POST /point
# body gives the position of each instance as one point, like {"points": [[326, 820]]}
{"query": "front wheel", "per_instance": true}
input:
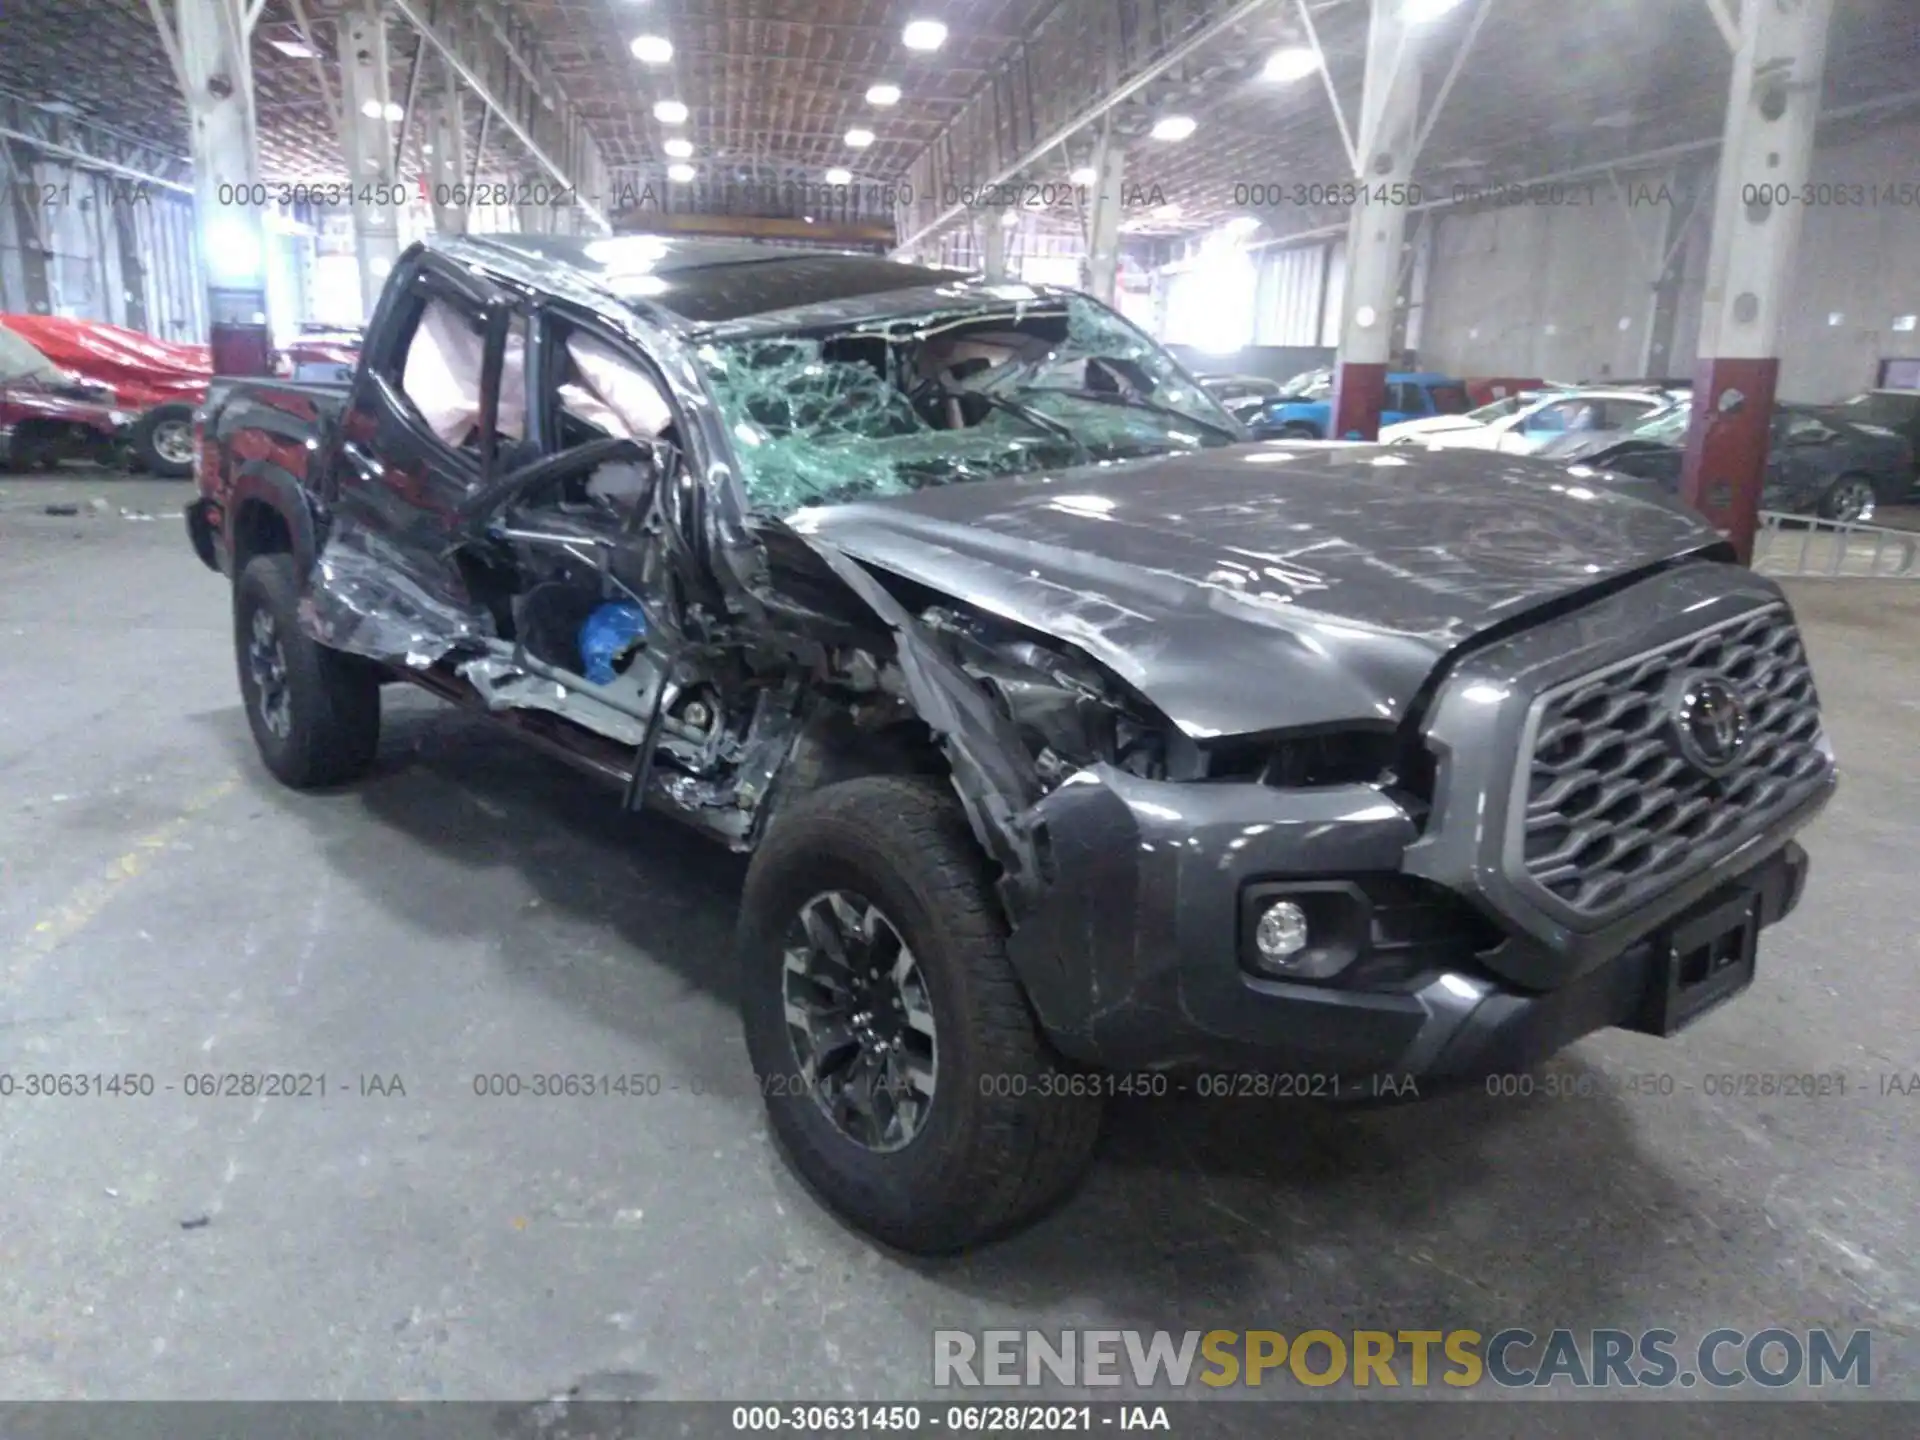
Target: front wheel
{"points": [[162, 441], [1298, 430], [901, 1066], [315, 713], [1851, 500]]}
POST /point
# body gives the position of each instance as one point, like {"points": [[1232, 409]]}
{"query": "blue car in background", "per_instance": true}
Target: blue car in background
{"points": [[1304, 410]]}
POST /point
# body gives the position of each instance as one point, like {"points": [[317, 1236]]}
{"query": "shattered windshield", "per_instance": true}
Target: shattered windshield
{"points": [[851, 412]]}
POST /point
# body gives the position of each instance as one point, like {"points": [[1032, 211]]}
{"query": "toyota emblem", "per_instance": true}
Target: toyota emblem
{"points": [[1709, 723]]}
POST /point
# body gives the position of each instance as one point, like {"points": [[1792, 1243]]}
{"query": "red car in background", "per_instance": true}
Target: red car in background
{"points": [[48, 414], [152, 387], [155, 383]]}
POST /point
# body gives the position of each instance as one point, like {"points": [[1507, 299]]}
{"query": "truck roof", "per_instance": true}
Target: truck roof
{"points": [[703, 281]]}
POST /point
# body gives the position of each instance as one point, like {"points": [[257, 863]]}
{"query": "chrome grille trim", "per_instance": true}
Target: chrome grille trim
{"points": [[1607, 814]]}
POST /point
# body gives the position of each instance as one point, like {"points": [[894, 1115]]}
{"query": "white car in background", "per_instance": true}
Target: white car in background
{"points": [[1408, 431], [1548, 417]]}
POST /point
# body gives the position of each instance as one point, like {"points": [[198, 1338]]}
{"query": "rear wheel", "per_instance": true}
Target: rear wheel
{"points": [[902, 1069], [1298, 430], [1850, 500], [315, 713], [162, 441]]}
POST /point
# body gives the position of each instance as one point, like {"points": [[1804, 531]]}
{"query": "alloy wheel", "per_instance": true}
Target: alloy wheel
{"points": [[267, 665], [173, 442], [1852, 502], [860, 1020]]}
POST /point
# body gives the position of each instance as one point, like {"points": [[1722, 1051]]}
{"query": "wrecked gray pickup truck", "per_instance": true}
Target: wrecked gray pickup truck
{"points": [[1083, 747]]}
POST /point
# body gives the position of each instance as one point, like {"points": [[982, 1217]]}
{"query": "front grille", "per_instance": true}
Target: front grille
{"points": [[1614, 814]]}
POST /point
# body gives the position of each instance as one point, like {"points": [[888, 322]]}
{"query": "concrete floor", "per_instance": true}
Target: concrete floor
{"points": [[166, 909]]}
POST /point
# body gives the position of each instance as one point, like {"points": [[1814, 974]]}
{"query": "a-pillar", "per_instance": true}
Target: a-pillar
{"points": [[216, 78], [1103, 228], [1766, 151], [1377, 223], [367, 120]]}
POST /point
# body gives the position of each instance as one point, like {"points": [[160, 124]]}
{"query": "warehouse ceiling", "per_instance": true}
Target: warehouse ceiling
{"points": [[772, 88]]}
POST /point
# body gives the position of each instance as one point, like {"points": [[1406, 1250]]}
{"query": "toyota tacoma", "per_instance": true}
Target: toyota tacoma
{"points": [[1075, 736]]}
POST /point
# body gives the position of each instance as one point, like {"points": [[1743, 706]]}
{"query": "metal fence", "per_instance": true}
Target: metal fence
{"points": [[1795, 545]]}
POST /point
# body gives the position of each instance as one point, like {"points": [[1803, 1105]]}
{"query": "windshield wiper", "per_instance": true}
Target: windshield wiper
{"points": [[1141, 402]]}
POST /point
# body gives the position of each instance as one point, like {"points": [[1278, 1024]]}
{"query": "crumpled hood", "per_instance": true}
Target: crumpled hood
{"points": [[1262, 587]]}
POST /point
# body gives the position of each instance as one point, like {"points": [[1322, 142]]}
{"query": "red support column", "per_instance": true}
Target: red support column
{"points": [[1726, 463], [1359, 395], [1767, 150], [1376, 225]]}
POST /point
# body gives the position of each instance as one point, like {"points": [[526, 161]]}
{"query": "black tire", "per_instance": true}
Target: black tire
{"points": [[317, 719], [31, 453], [1851, 499], [999, 1144], [1299, 430], [153, 441]]}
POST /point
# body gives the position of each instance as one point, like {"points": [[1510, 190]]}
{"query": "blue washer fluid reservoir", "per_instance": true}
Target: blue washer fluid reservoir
{"points": [[608, 633]]}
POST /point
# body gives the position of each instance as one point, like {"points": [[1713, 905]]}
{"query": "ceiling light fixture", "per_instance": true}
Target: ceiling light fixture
{"points": [[680, 174], [1296, 62], [669, 112], [370, 109], [838, 176], [1174, 127], [924, 35], [859, 139], [883, 95], [652, 49], [679, 149], [1085, 175], [395, 113], [298, 49]]}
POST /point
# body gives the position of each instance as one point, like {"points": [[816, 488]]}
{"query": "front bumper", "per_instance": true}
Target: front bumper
{"points": [[1132, 945], [1131, 956]]}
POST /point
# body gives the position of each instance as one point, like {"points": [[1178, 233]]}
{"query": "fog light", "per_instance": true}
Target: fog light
{"points": [[1281, 933]]}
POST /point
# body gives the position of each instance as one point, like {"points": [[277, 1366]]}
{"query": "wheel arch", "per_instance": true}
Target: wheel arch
{"points": [[267, 513]]}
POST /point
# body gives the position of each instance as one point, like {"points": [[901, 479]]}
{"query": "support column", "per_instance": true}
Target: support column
{"points": [[1684, 185], [1771, 106], [446, 142], [366, 140], [534, 219], [216, 79], [133, 267], [1103, 224], [29, 226], [1376, 229], [993, 245]]}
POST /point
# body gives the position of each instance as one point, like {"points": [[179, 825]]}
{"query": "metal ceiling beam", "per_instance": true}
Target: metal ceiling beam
{"points": [[756, 227], [92, 146], [1326, 83], [1058, 47], [1638, 160], [1724, 21], [494, 60]]}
